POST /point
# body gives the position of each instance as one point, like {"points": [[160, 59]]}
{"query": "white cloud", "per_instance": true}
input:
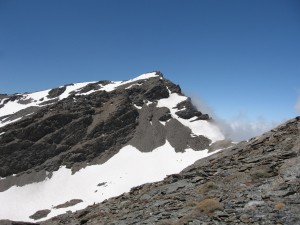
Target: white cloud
{"points": [[297, 106], [240, 127]]}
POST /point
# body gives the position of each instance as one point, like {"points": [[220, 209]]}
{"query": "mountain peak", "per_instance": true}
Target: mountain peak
{"points": [[120, 133]]}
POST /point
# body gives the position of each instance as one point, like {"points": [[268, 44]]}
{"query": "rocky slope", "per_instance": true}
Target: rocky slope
{"points": [[255, 182], [90, 141]]}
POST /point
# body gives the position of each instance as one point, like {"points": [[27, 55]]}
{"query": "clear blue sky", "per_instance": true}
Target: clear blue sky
{"points": [[239, 56]]}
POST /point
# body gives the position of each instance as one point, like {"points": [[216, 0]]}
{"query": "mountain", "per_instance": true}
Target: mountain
{"points": [[64, 149], [253, 182]]}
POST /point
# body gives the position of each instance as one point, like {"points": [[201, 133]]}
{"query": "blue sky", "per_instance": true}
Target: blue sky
{"points": [[242, 57]]}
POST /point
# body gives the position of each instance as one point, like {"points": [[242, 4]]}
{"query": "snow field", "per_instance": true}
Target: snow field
{"points": [[127, 169]]}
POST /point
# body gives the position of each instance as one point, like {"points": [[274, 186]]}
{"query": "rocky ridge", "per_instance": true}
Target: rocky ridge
{"points": [[254, 182]]}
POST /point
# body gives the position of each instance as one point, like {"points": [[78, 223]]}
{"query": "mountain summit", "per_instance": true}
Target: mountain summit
{"points": [[79, 144]]}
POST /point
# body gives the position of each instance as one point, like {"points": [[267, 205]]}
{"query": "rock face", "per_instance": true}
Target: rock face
{"points": [[86, 128], [254, 182], [77, 126], [190, 111], [66, 130]]}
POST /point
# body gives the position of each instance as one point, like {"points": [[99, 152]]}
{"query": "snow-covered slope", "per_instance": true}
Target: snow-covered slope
{"points": [[93, 184], [91, 141]]}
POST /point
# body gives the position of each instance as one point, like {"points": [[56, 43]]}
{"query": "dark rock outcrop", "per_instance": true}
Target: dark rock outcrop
{"points": [[188, 111], [151, 133], [68, 204], [40, 214], [157, 92], [56, 92], [13, 98], [2, 96], [90, 87]]}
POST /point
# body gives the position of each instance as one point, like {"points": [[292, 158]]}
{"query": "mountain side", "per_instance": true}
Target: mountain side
{"points": [[254, 182], [82, 127], [95, 140]]}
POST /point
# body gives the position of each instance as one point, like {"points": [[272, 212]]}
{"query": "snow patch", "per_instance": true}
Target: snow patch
{"points": [[138, 107], [2, 101], [145, 76], [29, 114], [8, 122], [198, 127], [88, 93], [12, 107], [112, 86], [149, 103], [133, 86], [127, 169], [35, 96], [73, 87], [163, 123]]}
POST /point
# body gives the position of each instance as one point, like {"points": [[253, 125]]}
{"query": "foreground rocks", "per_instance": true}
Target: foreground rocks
{"points": [[255, 182]]}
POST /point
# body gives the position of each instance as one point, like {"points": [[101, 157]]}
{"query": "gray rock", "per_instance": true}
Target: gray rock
{"points": [[253, 204], [40, 214], [56, 92], [68, 204]]}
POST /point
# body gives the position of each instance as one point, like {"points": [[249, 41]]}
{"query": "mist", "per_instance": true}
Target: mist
{"points": [[239, 127], [297, 105]]}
